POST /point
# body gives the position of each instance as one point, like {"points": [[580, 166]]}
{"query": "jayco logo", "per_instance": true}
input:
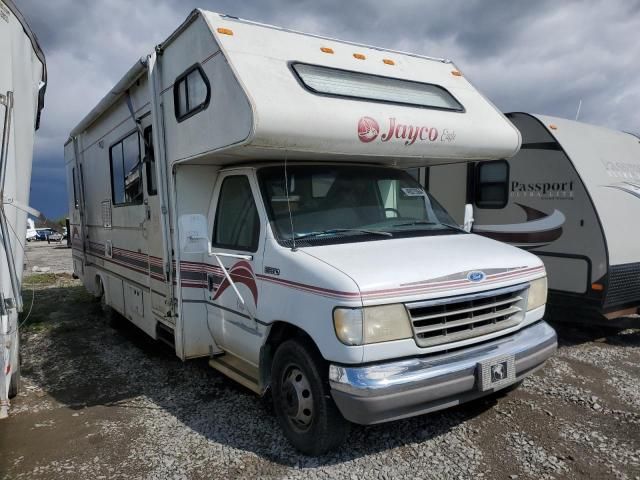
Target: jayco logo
{"points": [[369, 130]]}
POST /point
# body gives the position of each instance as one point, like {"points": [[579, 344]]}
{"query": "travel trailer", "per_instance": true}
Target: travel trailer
{"points": [[571, 195], [240, 195], [23, 78]]}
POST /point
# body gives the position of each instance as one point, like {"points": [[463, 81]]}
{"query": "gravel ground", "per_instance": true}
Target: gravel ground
{"points": [[42, 257], [104, 401]]}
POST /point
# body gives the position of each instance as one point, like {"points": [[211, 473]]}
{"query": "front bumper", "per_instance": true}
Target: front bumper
{"points": [[404, 388]]}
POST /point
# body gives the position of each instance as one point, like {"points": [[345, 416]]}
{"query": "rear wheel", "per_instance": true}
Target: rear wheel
{"points": [[107, 312], [302, 401]]}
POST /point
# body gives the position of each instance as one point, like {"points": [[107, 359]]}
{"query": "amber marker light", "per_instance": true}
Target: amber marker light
{"points": [[388, 61], [598, 287], [554, 127], [326, 49], [225, 31], [456, 73], [359, 56]]}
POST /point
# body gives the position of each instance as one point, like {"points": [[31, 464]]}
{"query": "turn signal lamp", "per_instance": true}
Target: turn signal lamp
{"points": [[326, 49], [598, 287], [456, 73], [359, 56], [225, 31], [388, 61]]}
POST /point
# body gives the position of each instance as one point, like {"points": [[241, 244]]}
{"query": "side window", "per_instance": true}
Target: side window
{"points": [[237, 224], [150, 162], [492, 184], [126, 171], [75, 187], [191, 93]]}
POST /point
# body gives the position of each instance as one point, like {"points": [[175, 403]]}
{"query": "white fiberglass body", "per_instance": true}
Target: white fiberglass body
{"points": [[22, 82]]}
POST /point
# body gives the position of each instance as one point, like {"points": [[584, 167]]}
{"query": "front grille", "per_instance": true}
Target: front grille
{"points": [[446, 320]]}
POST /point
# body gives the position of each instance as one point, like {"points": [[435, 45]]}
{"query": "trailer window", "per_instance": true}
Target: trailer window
{"points": [[150, 161], [126, 171], [237, 225], [492, 184], [191, 93], [345, 83]]}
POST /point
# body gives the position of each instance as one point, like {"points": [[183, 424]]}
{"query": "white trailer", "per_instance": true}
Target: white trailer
{"points": [[571, 195], [239, 194], [23, 79]]}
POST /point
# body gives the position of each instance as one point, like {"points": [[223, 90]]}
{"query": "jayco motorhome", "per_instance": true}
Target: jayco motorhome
{"points": [[571, 195], [239, 194], [23, 79]]}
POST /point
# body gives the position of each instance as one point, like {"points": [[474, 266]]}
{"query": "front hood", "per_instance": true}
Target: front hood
{"points": [[428, 267]]}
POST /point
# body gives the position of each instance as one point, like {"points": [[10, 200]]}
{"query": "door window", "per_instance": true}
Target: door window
{"points": [[150, 161], [237, 224]]}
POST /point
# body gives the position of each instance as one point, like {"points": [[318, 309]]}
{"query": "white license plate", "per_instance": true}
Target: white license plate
{"points": [[497, 372]]}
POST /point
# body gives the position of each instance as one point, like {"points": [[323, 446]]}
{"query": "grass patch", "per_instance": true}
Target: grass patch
{"points": [[39, 279]]}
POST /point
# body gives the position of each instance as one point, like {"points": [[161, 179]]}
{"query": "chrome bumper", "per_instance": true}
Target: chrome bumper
{"points": [[389, 391]]}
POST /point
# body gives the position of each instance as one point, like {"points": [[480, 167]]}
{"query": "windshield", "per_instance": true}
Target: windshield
{"points": [[334, 204]]}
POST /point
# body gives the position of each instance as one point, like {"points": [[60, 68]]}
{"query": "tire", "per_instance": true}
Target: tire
{"points": [[302, 400], [110, 316], [16, 379]]}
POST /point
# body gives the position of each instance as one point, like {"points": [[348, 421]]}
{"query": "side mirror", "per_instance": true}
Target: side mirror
{"points": [[468, 217], [194, 236]]}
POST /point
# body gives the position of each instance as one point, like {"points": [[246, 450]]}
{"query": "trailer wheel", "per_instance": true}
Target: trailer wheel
{"points": [[302, 401], [16, 379]]}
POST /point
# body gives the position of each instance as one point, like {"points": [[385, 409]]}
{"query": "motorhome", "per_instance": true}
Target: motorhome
{"points": [[23, 78], [240, 195], [571, 195]]}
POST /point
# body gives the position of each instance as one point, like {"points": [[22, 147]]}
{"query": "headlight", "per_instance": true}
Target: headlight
{"points": [[348, 325], [360, 326], [537, 293]]}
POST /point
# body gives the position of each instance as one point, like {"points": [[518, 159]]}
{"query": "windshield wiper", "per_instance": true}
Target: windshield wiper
{"points": [[424, 222], [334, 231]]}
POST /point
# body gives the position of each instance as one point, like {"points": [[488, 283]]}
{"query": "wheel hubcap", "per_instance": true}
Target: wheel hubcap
{"points": [[297, 398]]}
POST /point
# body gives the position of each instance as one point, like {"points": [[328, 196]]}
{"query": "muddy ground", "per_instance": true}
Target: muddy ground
{"points": [[102, 400]]}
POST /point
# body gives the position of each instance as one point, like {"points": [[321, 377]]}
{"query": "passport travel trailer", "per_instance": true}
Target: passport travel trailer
{"points": [[571, 195], [239, 194], [23, 78]]}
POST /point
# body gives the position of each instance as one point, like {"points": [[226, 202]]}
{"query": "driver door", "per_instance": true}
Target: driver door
{"points": [[232, 306]]}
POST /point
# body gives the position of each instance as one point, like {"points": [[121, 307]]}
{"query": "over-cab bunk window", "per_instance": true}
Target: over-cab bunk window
{"points": [[126, 171], [364, 86], [191, 93]]}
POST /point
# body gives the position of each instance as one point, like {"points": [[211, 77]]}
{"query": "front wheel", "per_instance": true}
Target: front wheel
{"points": [[302, 401]]}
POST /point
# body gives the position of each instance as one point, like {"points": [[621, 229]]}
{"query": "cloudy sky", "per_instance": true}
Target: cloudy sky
{"points": [[538, 56]]}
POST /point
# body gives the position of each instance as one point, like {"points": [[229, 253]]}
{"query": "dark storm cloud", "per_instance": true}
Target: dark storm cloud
{"points": [[543, 56]]}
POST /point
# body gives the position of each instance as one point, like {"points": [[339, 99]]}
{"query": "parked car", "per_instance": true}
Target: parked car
{"points": [[48, 234]]}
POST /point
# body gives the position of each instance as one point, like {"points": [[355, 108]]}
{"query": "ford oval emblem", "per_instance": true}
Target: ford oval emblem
{"points": [[476, 276]]}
